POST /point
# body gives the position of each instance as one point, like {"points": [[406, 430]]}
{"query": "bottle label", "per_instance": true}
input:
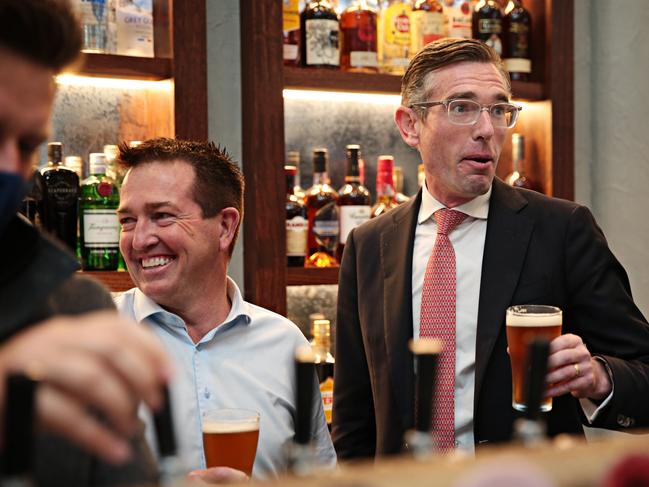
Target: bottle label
{"points": [[426, 28], [290, 15], [518, 65], [135, 28], [396, 24], [296, 236], [360, 59], [322, 45], [489, 26], [350, 217], [100, 228], [290, 52], [323, 228], [327, 393], [458, 19]]}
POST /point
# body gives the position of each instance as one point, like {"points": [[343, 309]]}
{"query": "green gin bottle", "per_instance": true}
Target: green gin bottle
{"points": [[99, 226]]}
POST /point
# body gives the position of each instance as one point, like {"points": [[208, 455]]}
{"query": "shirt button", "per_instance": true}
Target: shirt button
{"points": [[206, 393], [457, 444]]}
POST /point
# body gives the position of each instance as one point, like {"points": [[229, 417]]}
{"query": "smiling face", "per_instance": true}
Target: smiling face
{"points": [[170, 249], [460, 160]]}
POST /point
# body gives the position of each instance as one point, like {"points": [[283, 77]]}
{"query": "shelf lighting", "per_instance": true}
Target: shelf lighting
{"points": [[117, 83], [337, 96]]}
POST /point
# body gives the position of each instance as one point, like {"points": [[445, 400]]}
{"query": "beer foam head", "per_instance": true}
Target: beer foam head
{"points": [[534, 316], [230, 427]]}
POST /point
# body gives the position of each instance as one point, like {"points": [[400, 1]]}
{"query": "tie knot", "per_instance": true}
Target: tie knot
{"points": [[448, 219]]}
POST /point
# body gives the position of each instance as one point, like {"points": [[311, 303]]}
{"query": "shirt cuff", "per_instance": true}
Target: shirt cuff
{"points": [[592, 409]]}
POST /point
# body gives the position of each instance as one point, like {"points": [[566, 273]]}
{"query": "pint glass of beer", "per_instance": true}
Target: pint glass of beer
{"points": [[230, 438], [526, 323]]}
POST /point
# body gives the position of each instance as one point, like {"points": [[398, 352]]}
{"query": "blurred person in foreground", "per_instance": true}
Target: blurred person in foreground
{"points": [[509, 246], [180, 211], [94, 367]]}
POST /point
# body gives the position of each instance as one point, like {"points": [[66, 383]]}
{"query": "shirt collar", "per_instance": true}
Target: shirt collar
{"points": [[477, 208], [146, 308]]}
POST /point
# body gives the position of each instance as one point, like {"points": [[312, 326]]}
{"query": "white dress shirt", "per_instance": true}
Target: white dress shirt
{"points": [[245, 362]]}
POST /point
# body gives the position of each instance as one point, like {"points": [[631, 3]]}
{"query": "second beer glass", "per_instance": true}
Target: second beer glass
{"points": [[526, 323], [230, 438]]}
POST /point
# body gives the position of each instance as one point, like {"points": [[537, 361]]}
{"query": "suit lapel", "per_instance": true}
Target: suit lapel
{"points": [[397, 242], [508, 235]]}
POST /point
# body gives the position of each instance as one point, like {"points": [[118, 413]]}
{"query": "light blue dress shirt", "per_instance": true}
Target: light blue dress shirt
{"points": [[245, 362]]}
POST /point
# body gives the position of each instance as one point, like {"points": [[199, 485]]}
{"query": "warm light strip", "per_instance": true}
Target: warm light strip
{"points": [[365, 98], [118, 83]]}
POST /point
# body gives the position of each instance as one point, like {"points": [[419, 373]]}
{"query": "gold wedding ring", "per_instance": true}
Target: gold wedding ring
{"points": [[577, 370]]}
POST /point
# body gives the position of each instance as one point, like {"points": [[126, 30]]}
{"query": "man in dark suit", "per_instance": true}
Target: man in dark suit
{"points": [[512, 246]]}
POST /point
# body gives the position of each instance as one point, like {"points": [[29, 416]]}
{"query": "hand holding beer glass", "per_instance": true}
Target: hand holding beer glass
{"points": [[230, 438], [526, 323]]}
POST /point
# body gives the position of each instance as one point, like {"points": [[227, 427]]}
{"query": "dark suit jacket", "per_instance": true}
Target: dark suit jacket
{"points": [[538, 250], [38, 281]]}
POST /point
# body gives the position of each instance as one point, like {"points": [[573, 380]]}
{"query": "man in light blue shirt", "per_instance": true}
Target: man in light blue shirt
{"points": [[180, 210]]}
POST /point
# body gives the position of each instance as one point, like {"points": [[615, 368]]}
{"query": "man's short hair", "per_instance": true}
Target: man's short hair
{"points": [[46, 32], [218, 181], [417, 85]]}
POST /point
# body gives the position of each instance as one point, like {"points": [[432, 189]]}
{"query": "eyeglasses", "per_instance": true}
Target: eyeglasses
{"points": [[467, 112]]}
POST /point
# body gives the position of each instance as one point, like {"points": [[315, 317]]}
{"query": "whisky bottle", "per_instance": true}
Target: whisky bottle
{"points": [[99, 224], [297, 225], [488, 24], [319, 35], [427, 22], [61, 192], [384, 187], [517, 27], [354, 203], [457, 18], [291, 32], [359, 35], [397, 177], [517, 177], [322, 213], [394, 37], [325, 362], [293, 159]]}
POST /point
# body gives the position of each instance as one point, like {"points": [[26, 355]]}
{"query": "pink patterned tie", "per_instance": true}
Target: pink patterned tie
{"points": [[438, 321]]}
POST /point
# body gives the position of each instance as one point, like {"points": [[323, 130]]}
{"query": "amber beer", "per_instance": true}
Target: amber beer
{"points": [[526, 323], [230, 438]]}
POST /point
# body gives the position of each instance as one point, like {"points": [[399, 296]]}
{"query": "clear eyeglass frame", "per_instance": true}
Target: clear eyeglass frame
{"points": [[461, 111]]}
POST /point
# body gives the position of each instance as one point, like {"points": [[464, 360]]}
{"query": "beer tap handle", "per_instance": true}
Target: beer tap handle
{"points": [[537, 368], [19, 430], [426, 352]]}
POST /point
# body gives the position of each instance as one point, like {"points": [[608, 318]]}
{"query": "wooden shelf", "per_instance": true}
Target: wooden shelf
{"points": [[335, 80], [115, 281], [129, 67], [307, 276]]}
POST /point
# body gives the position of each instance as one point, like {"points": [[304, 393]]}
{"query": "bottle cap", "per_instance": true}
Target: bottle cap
{"points": [[111, 152], [384, 167], [293, 158], [290, 170], [320, 157], [134, 143], [55, 152], [97, 163]]}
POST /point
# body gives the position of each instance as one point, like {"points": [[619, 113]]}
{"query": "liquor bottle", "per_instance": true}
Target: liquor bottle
{"points": [[322, 213], [457, 18], [394, 36], [319, 35], [33, 200], [99, 224], [74, 163], [291, 32], [359, 35], [297, 225], [293, 159], [397, 177], [113, 168], [517, 27], [427, 23], [384, 186], [488, 24], [354, 203], [325, 362], [59, 204], [94, 24], [517, 177]]}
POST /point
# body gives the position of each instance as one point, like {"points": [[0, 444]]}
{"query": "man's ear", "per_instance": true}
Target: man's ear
{"points": [[408, 123], [229, 222]]}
